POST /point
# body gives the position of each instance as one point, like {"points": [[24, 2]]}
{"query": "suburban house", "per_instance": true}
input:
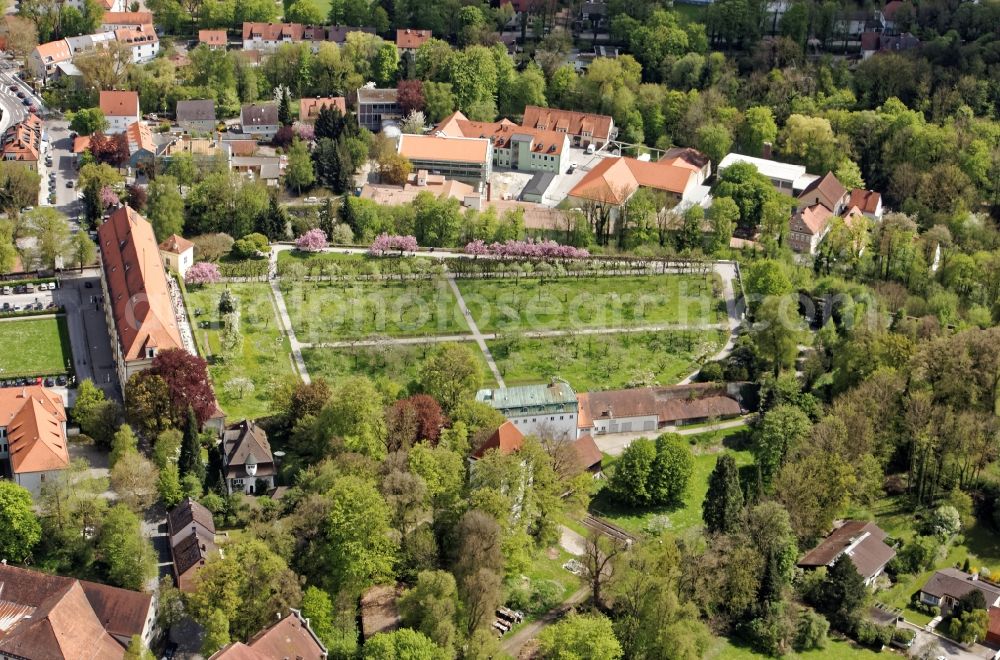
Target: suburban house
{"points": [[45, 58], [196, 116], [214, 39], [827, 191], [141, 40], [55, 617], [507, 439], [868, 202], [177, 253], [546, 410], [291, 637], [946, 587], [116, 20], [121, 109], [260, 168], [247, 461], [141, 317], [787, 178], [32, 437], [309, 108], [873, 43], [690, 158], [808, 227], [613, 181], [862, 541], [652, 408], [260, 120], [465, 159], [584, 129], [85, 43], [408, 41], [376, 107], [268, 36], [191, 532], [379, 610], [22, 142], [141, 147], [514, 147]]}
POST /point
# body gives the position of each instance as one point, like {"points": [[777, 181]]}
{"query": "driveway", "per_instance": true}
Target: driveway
{"points": [[943, 647], [88, 329], [615, 443]]}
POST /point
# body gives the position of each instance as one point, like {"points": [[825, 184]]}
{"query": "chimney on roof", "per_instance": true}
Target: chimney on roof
{"points": [[767, 150]]}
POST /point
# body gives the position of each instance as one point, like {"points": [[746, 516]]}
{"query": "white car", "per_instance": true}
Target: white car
{"points": [[312, 200]]}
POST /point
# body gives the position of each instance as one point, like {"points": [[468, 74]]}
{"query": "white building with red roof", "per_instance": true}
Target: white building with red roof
{"points": [[32, 435], [120, 108]]}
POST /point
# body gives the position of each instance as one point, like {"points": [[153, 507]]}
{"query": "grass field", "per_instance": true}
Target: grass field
{"points": [[706, 448], [399, 364], [331, 311], [725, 649], [266, 356], [34, 347], [595, 362], [594, 302]]}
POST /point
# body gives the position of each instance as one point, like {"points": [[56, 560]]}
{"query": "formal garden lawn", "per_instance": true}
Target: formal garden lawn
{"points": [[591, 302], [605, 361], [266, 355], [337, 311], [400, 364], [706, 448], [34, 347]]}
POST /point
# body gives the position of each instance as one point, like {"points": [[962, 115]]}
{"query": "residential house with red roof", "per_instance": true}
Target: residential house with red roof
{"points": [[214, 39], [408, 40], [115, 20], [177, 253], [514, 147], [613, 181], [584, 128], [53, 617], [868, 202], [289, 638], [309, 108], [44, 59], [140, 313], [32, 436], [22, 143], [121, 109], [808, 227], [141, 40], [141, 147], [507, 439], [267, 37]]}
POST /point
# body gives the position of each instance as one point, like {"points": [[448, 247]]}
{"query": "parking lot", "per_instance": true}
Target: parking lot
{"points": [[80, 294]]}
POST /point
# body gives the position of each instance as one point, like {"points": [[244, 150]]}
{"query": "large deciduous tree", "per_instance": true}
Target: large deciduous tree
{"points": [[124, 550], [20, 530], [187, 379], [451, 375]]}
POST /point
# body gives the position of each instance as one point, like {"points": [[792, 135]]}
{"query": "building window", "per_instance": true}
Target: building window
{"points": [[237, 483]]}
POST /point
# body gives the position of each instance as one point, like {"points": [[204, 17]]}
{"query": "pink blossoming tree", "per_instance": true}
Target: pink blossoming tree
{"points": [[109, 197], [386, 243], [203, 272], [313, 240], [528, 249]]}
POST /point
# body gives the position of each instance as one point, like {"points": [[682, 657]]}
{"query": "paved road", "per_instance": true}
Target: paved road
{"points": [[64, 166], [615, 443]]}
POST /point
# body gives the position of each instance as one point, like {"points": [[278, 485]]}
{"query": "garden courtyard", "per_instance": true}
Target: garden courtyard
{"points": [[34, 346]]}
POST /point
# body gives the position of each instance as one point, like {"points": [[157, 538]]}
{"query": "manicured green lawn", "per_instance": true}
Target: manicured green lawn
{"points": [[656, 519], [34, 347], [333, 311], [590, 302], [724, 649], [598, 362], [398, 364], [266, 355]]}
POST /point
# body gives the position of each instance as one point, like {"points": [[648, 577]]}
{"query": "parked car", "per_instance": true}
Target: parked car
{"points": [[25, 102], [50, 381], [61, 380], [7, 291], [6, 307], [43, 286], [13, 88], [70, 184]]}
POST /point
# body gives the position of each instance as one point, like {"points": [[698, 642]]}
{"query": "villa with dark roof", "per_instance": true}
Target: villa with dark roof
{"points": [[191, 532], [247, 461], [863, 542]]}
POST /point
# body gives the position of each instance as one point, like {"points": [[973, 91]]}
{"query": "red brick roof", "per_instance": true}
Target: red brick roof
{"points": [[309, 108], [137, 285], [212, 37], [119, 104], [289, 638], [501, 132], [866, 200], [175, 244], [508, 439], [568, 121], [34, 418], [828, 190], [23, 140], [864, 543], [587, 452], [812, 219], [407, 39], [613, 180]]}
